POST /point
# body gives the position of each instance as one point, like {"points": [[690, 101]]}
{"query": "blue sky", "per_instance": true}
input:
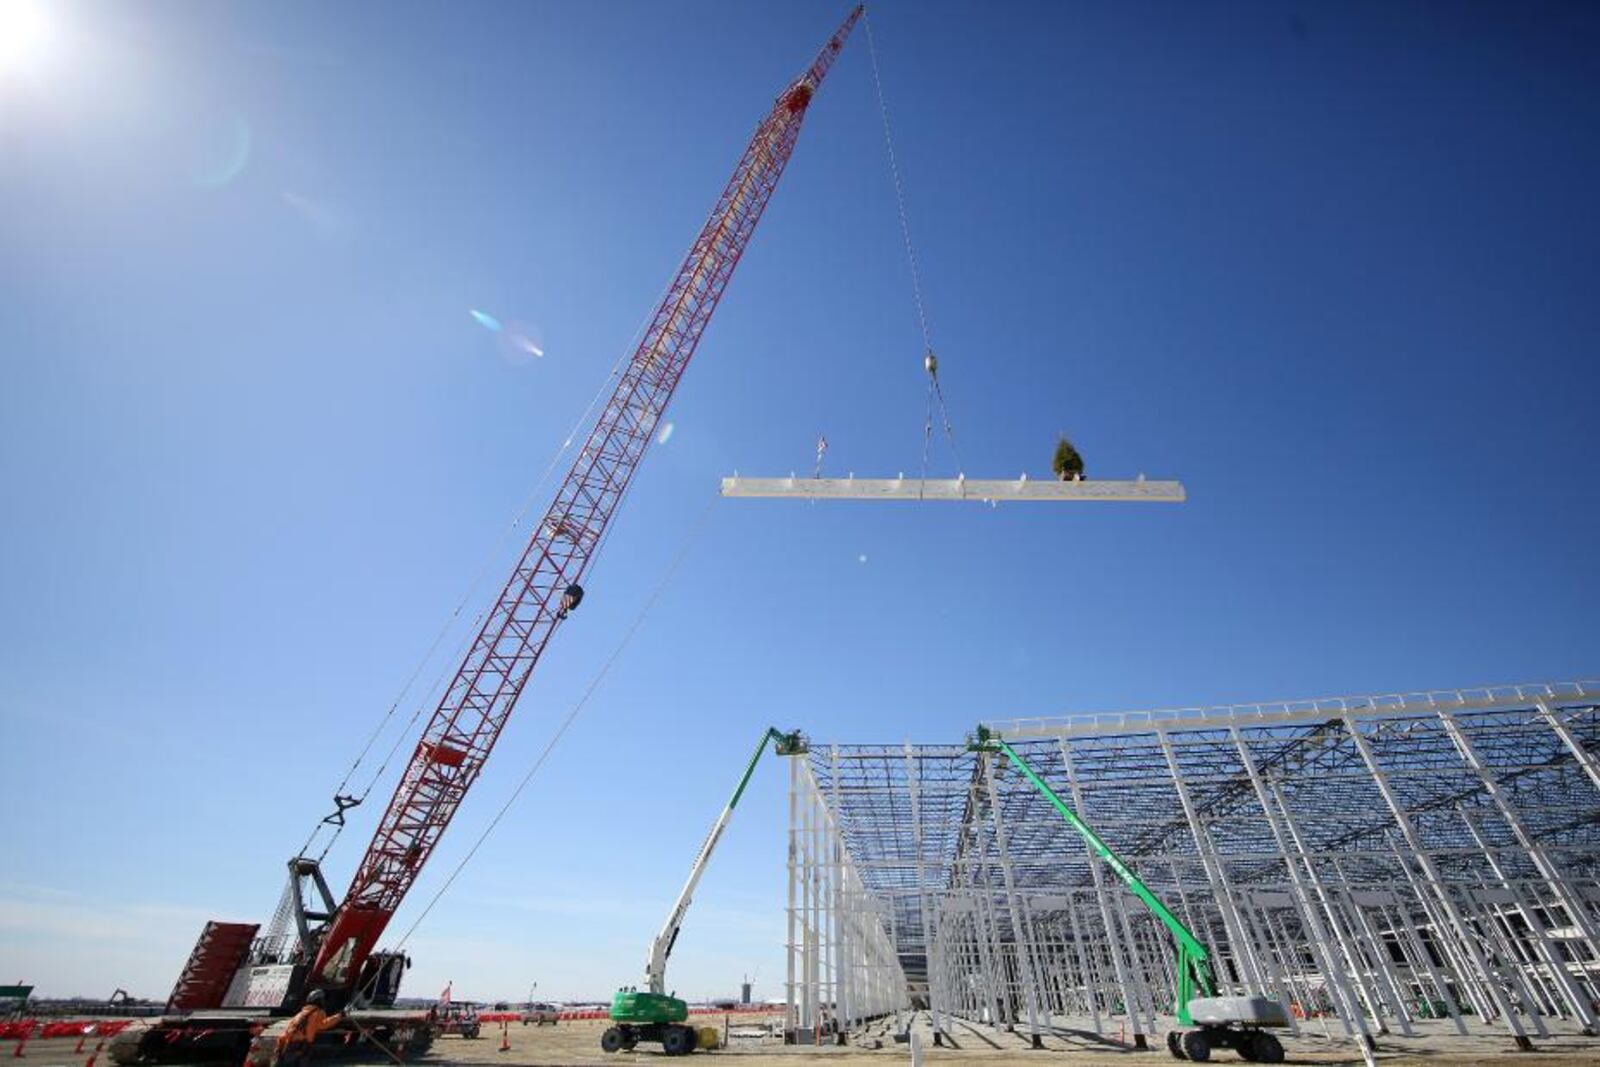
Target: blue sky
{"points": [[1332, 265]]}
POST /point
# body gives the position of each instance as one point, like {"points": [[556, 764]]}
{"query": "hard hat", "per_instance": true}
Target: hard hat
{"points": [[315, 997]]}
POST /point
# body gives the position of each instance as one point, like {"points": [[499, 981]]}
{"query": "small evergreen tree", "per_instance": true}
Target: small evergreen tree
{"points": [[1067, 463]]}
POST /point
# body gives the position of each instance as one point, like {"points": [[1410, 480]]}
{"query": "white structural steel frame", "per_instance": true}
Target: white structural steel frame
{"points": [[1371, 861]]}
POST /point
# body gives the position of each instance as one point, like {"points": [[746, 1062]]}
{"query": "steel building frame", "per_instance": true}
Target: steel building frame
{"points": [[1375, 862]]}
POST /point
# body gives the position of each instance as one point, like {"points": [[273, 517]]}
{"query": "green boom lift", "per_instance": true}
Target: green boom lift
{"points": [[652, 1014], [1224, 1022]]}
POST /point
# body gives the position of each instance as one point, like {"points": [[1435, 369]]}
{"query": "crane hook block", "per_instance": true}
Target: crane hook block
{"points": [[930, 363], [570, 599]]}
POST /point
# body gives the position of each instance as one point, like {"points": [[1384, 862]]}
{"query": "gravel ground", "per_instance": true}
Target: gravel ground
{"points": [[577, 1044]]}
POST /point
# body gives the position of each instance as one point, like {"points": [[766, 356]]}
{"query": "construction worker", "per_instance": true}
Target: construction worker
{"points": [[294, 1047]]}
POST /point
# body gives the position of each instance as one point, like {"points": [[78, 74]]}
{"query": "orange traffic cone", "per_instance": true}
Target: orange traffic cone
{"points": [[505, 1037]]}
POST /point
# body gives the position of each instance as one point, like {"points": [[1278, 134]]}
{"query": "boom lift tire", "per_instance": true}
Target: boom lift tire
{"points": [[1252, 1044], [1262, 1047], [1197, 1046], [679, 1041], [611, 1040]]}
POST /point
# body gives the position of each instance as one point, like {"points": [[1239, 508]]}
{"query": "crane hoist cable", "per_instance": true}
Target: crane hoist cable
{"points": [[930, 360], [343, 801], [464, 727], [691, 538]]}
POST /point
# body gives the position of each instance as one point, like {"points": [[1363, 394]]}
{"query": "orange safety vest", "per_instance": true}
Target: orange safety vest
{"points": [[306, 1025]]}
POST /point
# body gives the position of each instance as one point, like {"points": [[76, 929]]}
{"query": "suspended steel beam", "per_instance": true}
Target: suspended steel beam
{"points": [[981, 490]]}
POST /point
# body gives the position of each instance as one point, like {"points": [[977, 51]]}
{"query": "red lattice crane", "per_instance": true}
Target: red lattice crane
{"points": [[516, 631], [316, 943]]}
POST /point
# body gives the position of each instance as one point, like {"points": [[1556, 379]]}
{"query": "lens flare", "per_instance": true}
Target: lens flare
{"points": [[487, 321], [221, 153], [665, 435]]}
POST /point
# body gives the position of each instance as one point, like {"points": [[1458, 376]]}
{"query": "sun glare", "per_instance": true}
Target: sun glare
{"points": [[24, 35]]}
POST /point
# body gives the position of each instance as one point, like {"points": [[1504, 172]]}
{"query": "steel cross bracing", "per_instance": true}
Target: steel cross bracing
{"points": [[474, 708], [1408, 863]]}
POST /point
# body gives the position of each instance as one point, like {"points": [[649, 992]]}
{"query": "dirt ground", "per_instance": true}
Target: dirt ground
{"points": [[577, 1044], [573, 1044]]}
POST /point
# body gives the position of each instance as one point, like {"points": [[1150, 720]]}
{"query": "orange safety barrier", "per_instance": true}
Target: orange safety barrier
{"points": [[25, 1029]]}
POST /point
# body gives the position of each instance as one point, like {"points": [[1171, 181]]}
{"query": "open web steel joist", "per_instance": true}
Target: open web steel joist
{"points": [[1380, 864]]}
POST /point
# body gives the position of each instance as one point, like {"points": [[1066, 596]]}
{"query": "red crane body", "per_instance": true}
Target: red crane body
{"points": [[475, 707]]}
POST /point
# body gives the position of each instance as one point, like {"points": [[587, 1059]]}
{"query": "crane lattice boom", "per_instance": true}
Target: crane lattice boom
{"points": [[474, 708]]}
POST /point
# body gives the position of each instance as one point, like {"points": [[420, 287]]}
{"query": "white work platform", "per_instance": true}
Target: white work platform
{"points": [[981, 490]]}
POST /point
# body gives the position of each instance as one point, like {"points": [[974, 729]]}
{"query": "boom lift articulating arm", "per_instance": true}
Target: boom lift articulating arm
{"points": [[654, 1014], [1224, 1021], [655, 968]]}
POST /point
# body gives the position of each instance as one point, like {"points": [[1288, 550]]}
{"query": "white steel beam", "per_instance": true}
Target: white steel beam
{"points": [[1123, 968], [1290, 712], [1440, 887], [1584, 757], [981, 490]]}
